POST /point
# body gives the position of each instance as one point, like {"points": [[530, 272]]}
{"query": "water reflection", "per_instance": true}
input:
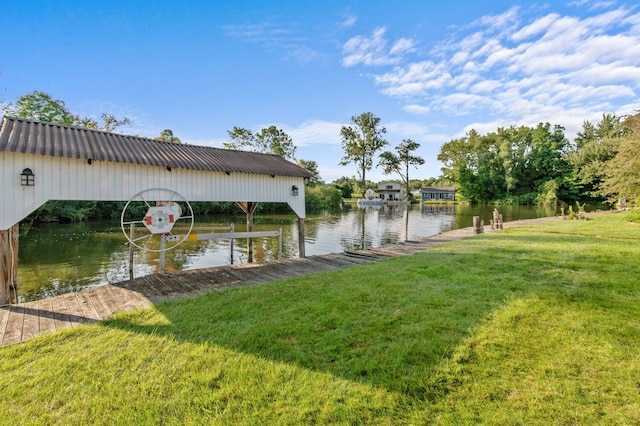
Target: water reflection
{"points": [[59, 258]]}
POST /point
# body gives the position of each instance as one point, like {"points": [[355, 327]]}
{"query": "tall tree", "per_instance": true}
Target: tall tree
{"points": [[269, 140], [594, 146], [401, 162], [361, 141], [168, 136], [622, 172]]}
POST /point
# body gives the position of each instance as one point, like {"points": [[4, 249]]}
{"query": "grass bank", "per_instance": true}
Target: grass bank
{"points": [[533, 325]]}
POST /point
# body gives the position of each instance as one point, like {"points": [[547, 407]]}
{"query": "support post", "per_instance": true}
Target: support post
{"points": [[280, 243], [8, 262], [233, 229], [249, 207], [249, 240], [163, 245], [132, 236], [301, 237]]}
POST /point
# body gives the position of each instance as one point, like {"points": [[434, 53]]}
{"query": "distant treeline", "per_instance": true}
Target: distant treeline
{"points": [[539, 165]]}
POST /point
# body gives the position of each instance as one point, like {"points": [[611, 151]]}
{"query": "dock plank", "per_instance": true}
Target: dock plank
{"points": [[31, 322], [46, 322], [61, 313], [13, 329]]}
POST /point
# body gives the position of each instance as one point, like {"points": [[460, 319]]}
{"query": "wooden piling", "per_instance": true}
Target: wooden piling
{"points": [[132, 237], [301, 251], [477, 225], [8, 262]]}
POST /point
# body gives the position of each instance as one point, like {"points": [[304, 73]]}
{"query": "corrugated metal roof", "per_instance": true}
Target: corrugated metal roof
{"points": [[34, 137]]}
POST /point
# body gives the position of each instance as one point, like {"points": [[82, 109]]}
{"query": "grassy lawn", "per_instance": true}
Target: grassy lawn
{"points": [[532, 325]]}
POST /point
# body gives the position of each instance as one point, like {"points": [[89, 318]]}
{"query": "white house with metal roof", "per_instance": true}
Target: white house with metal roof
{"points": [[44, 161]]}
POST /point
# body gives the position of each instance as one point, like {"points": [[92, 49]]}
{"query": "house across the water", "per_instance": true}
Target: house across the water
{"points": [[438, 193], [390, 190]]}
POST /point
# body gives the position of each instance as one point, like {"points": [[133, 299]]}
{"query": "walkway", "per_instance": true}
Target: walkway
{"points": [[23, 321]]}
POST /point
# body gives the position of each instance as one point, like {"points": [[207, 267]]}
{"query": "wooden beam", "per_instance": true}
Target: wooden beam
{"points": [[249, 207]]}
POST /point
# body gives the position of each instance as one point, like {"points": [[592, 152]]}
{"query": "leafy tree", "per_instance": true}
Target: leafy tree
{"points": [[346, 185], [168, 136], [109, 123], [513, 165], [269, 140], [400, 163], [312, 167], [360, 143], [42, 107], [622, 172], [594, 147], [456, 153]]}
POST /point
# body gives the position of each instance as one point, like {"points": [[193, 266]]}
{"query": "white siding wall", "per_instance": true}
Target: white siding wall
{"points": [[58, 178]]}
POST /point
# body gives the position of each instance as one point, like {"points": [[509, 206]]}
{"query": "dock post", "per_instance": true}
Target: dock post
{"points": [[8, 262], [163, 244], [232, 228], [132, 236], [301, 237], [477, 225]]}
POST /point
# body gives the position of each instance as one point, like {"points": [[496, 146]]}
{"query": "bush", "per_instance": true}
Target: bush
{"points": [[324, 197]]}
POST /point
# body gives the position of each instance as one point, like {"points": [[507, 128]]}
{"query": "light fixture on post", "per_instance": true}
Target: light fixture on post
{"points": [[294, 190], [27, 178]]}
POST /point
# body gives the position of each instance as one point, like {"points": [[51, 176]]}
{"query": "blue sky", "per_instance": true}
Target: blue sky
{"points": [[430, 70]]}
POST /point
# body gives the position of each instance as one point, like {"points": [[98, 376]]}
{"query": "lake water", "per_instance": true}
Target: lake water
{"points": [[59, 258]]}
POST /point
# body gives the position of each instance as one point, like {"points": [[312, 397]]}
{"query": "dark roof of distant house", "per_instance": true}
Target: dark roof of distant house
{"points": [[34, 137], [438, 188]]}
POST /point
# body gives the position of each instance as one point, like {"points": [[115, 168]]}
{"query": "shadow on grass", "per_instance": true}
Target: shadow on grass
{"points": [[391, 323]]}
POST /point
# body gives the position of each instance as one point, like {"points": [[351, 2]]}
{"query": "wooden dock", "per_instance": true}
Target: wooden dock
{"points": [[20, 322]]}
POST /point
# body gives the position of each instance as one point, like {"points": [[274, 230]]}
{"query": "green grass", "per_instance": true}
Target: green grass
{"points": [[532, 325]]}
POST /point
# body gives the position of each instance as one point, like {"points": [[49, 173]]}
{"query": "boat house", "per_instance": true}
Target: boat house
{"points": [[44, 161]]}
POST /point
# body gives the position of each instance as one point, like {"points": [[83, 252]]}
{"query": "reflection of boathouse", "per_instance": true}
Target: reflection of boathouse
{"points": [[438, 193], [438, 209]]}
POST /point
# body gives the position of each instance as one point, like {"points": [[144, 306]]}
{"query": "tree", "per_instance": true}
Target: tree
{"points": [[42, 107], [622, 172], [168, 136], [361, 142], [269, 140], [109, 123], [514, 164], [312, 167], [346, 185], [400, 163]]}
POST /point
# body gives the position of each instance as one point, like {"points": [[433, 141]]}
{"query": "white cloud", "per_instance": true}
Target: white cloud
{"points": [[282, 38], [348, 21], [317, 132], [417, 109], [538, 26], [522, 68], [373, 51]]}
